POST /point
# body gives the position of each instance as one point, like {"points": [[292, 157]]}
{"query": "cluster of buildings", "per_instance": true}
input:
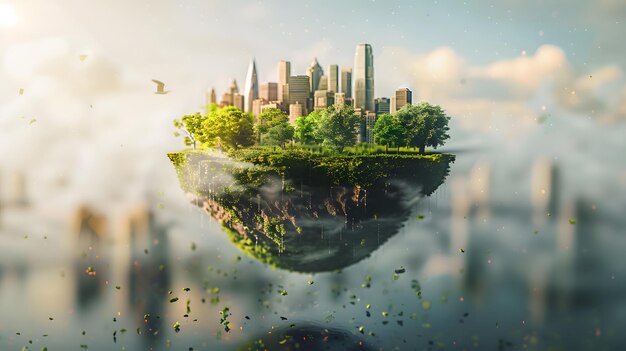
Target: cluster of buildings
{"points": [[298, 95]]}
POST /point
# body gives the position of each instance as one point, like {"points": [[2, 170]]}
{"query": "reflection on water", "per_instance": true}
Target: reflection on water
{"points": [[491, 254]]}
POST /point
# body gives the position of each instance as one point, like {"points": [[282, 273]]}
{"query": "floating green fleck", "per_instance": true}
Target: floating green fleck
{"points": [[368, 306], [177, 327], [174, 300], [361, 329], [310, 282], [426, 305], [572, 221], [400, 270], [419, 216], [283, 292], [461, 250], [385, 314]]}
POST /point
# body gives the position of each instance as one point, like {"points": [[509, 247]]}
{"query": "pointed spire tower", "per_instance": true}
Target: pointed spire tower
{"points": [[315, 73], [251, 91]]}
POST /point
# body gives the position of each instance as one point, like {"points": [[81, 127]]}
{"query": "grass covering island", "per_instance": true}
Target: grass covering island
{"points": [[323, 144]]}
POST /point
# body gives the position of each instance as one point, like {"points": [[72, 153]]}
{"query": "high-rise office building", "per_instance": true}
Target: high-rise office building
{"points": [[239, 101], [323, 99], [363, 85], [333, 78], [269, 91], [251, 90], [211, 97], [340, 99], [315, 73], [228, 97], [403, 96], [299, 91], [295, 110], [382, 105], [323, 84], [257, 105], [346, 82], [284, 72]]}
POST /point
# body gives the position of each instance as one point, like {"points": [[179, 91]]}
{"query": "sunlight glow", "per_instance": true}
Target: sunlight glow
{"points": [[8, 18]]}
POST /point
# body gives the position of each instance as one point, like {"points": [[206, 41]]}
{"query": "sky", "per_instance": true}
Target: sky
{"points": [[499, 68]]}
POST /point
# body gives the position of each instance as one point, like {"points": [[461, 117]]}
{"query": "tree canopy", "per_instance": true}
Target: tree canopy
{"points": [[424, 125], [191, 127], [306, 127], [388, 131], [229, 128], [337, 127], [420, 126], [273, 128]]}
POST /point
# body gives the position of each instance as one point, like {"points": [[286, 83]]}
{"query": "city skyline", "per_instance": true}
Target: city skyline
{"points": [[325, 89]]}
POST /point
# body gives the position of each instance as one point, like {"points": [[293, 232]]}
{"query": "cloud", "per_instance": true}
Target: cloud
{"points": [[509, 95], [52, 58], [82, 132]]}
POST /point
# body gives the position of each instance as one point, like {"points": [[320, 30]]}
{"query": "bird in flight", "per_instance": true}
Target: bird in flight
{"points": [[160, 87]]}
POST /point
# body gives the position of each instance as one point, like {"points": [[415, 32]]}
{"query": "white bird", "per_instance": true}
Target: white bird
{"points": [[160, 87]]}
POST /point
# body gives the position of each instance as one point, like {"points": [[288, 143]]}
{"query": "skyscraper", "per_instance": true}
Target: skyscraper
{"points": [[315, 73], [211, 97], [251, 90], [333, 78], [382, 105], [346, 82], [269, 91], [299, 91], [284, 72], [403, 97], [363, 86], [323, 83], [323, 99]]}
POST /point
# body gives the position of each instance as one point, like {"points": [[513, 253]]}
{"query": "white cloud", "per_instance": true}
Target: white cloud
{"points": [[506, 96]]}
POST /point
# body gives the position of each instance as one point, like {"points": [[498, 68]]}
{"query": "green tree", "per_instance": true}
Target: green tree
{"points": [[389, 131], [273, 128], [337, 127], [306, 127], [228, 128], [191, 127], [424, 125]]}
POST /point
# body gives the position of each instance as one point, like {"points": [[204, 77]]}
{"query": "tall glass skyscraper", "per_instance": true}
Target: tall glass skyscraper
{"points": [[363, 77], [251, 91]]}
